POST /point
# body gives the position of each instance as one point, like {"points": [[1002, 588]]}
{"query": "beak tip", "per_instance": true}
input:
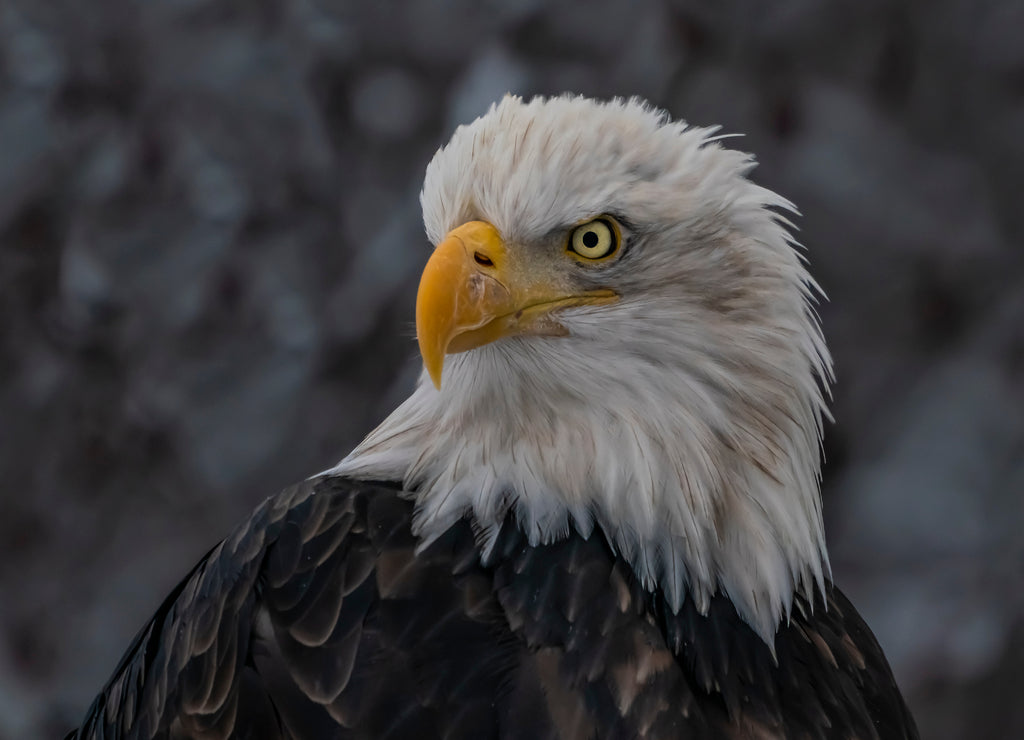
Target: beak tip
{"points": [[434, 371]]}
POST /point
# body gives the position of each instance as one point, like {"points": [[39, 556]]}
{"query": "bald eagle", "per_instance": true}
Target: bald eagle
{"points": [[598, 513]]}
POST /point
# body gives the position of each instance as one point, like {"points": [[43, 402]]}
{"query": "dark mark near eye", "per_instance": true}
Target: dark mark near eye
{"points": [[482, 259]]}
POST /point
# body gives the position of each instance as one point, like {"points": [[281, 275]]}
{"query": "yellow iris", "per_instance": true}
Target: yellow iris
{"points": [[595, 240]]}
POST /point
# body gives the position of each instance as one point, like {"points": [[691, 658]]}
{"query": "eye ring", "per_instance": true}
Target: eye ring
{"points": [[597, 239]]}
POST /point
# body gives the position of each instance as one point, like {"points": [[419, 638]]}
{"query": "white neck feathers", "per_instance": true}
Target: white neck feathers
{"points": [[682, 422]]}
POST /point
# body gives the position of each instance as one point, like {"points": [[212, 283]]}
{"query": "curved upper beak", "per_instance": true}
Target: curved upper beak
{"points": [[472, 292]]}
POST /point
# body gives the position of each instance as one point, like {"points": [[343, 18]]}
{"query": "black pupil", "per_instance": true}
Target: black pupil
{"points": [[590, 239]]}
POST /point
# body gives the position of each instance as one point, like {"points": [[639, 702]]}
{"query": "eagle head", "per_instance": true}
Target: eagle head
{"points": [[618, 335]]}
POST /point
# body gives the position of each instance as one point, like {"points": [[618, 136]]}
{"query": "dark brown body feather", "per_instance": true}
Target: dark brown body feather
{"points": [[316, 619]]}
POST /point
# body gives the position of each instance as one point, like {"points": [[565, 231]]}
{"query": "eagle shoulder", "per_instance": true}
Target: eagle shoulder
{"points": [[321, 616]]}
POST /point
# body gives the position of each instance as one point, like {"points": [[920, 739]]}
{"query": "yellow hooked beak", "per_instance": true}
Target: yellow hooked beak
{"points": [[474, 292]]}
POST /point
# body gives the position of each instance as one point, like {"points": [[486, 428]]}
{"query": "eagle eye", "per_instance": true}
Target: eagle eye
{"points": [[595, 240]]}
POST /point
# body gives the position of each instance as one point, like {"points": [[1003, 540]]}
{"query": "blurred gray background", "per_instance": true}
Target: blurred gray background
{"points": [[210, 243]]}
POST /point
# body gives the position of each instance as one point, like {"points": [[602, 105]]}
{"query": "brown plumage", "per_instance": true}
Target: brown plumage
{"points": [[316, 619]]}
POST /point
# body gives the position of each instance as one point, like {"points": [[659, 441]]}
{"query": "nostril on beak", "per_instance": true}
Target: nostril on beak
{"points": [[483, 259]]}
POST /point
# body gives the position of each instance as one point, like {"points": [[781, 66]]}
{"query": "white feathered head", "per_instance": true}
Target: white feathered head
{"points": [[617, 335]]}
